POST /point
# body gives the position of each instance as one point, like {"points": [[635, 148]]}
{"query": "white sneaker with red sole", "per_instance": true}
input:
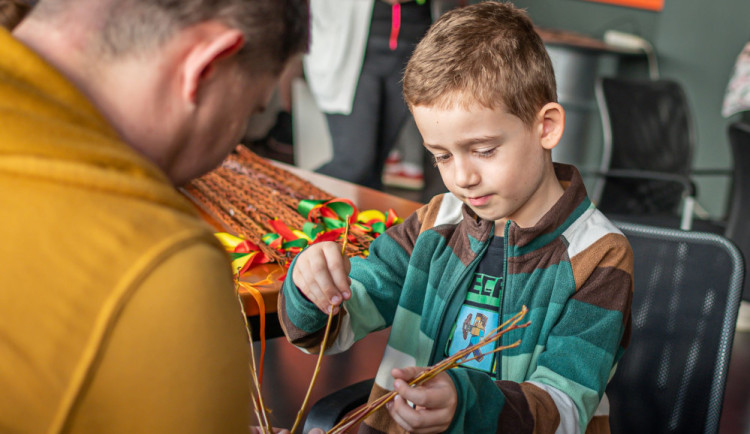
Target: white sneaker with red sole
{"points": [[402, 174]]}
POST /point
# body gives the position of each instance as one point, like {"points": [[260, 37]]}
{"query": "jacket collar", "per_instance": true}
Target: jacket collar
{"points": [[554, 220]]}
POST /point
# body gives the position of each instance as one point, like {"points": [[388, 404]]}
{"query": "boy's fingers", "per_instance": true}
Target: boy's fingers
{"points": [[306, 287], [436, 393], [320, 300], [320, 276], [398, 409], [413, 394], [324, 284], [419, 420], [338, 267], [407, 373]]}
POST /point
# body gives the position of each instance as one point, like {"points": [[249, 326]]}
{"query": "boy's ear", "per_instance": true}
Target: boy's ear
{"points": [[551, 124], [215, 43]]}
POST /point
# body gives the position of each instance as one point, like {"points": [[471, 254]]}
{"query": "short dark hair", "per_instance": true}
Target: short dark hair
{"points": [[487, 53], [274, 30], [12, 12]]}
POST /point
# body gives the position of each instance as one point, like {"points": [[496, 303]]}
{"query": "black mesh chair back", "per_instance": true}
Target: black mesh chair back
{"points": [[687, 292], [647, 126], [738, 223]]}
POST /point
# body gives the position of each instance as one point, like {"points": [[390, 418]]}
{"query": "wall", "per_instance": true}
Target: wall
{"points": [[697, 42]]}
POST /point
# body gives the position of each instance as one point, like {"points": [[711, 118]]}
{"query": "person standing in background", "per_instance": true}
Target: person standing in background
{"points": [[356, 78]]}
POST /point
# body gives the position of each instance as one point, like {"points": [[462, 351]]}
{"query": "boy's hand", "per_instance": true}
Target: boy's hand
{"points": [[435, 402], [322, 274]]}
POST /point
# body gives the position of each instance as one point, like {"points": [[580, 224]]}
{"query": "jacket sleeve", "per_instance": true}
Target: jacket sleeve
{"points": [[593, 330], [579, 357], [176, 341], [376, 288]]}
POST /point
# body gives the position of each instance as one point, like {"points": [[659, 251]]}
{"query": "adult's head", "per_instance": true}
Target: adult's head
{"points": [[177, 79], [12, 12], [487, 54]]}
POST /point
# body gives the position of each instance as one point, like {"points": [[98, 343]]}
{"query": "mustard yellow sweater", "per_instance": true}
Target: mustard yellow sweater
{"points": [[117, 312]]}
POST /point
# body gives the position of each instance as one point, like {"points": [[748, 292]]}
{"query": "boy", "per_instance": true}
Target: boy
{"points": [[514, 230]]}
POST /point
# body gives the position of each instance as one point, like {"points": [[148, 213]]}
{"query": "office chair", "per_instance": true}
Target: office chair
{"points": [[738, 229], [671, 378], [646, 166], [688, 287]]}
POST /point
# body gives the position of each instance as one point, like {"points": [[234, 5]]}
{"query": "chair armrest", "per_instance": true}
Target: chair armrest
{"points": [[712, 172], [685, 181], [325, 413]]}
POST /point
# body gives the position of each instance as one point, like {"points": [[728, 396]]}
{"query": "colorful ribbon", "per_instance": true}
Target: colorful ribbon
{"points": [[255, 293], [327, 221], [243, 253]]}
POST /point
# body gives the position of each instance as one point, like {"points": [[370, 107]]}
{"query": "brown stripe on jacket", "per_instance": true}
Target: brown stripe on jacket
{"points": [[618, 296], [516, 415], [574, 194], [542, 408], [405, 234], [598, 425], [308, 341], [551, 254], [381, 420], [428, 213], [613, 271], [456, 234], [602, 254]]}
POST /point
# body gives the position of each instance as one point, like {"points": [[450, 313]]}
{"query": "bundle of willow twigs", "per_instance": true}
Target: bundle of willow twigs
{"points": [[355, 417], [247, 191]]}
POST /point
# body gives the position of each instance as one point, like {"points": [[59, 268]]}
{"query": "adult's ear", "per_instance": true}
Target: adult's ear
{"points": [[213, 42], [551, 124]]}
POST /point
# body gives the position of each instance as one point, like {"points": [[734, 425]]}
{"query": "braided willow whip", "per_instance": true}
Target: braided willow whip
{"points": [[247, 191]]}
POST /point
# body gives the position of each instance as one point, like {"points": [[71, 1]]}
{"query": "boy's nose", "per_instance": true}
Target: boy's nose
{"points": [[466, 175]]}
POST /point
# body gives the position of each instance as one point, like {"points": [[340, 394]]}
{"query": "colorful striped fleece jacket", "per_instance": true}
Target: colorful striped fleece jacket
{"points": [[573, 270]]}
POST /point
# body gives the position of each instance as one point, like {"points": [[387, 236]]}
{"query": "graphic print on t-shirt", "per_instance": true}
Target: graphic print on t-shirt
{"points": [[478, 316]]}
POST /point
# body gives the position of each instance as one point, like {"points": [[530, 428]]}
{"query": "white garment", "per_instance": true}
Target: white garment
{"points": [[737, 97], [337, 50]]}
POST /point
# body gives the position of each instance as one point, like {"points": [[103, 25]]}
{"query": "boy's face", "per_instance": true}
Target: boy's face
{"points": [[492, 161]]}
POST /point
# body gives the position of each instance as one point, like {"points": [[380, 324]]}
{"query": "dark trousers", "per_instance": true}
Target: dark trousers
{"points": [[363, 138]]}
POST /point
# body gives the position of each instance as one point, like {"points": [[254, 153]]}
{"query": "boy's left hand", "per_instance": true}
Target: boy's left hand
{"points": [[435, 402]]}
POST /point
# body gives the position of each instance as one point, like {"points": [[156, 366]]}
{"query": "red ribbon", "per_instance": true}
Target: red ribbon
{"points": [[395, 25]]}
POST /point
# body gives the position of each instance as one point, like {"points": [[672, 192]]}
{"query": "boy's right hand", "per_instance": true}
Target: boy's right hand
{"points": [[321, 272]]}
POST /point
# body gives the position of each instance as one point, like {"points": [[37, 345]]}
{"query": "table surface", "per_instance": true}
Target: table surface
{"points": [[363, 197]]}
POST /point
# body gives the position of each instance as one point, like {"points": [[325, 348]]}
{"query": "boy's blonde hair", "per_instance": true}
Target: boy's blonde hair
{"points": [[487, 54]]}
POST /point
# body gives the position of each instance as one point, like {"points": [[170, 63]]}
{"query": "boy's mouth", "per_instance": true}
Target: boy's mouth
{"points": [[479, 200]]}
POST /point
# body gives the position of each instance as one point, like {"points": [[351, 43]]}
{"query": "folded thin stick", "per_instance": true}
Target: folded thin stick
{"points": [[451, 362], [301, 411], [259, 407]]}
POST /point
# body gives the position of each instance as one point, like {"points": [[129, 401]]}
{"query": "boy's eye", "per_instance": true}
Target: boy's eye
{"points": [[440, 158], [486, 153]]}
